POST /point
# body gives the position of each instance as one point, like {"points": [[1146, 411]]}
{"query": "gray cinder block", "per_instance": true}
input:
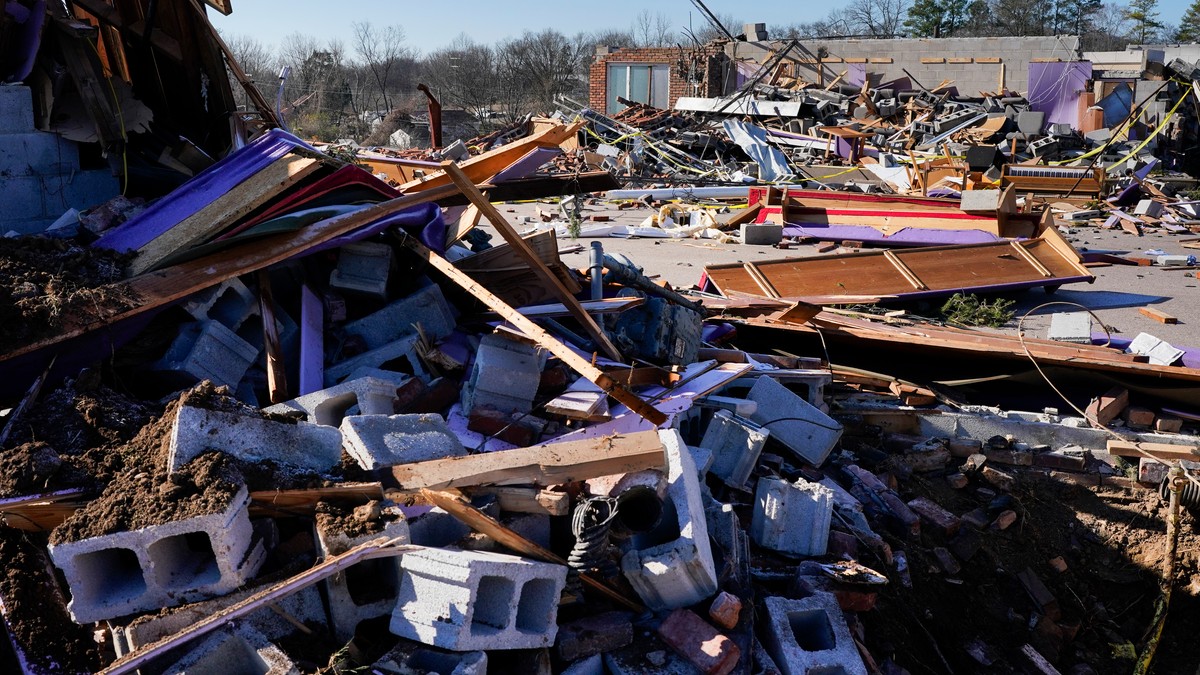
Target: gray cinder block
{"points": [[762, 234], [409, 657], [468, 600], [1074, 327], [207, 350], [506, 375], [367, 589], [426, 307], [376, 441], [736, 444], [160, 566], [804, 429], [241, 649], [403, 348], [328, 407], [231, 302], [672, 565], [792, 517], [16, 109], [251, 438], [810, 636], [363, 267]]}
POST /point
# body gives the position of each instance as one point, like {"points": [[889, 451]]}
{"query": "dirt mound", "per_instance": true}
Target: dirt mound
{"points": [[47, 285]]}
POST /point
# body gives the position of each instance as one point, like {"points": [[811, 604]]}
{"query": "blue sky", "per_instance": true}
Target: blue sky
{"points": [[430, 25]]}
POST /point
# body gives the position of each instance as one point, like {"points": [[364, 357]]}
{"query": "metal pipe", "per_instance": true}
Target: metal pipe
{"points": [[597, 271], [628, 275]]}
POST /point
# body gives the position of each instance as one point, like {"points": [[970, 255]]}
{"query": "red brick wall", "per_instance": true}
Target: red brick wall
{"points": [[710, 77]]}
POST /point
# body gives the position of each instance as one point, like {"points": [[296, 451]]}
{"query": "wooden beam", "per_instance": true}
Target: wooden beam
{"points": [[222, 212], [1158, 315], [519, 247], [482, 167], [542, 465], [303, 501], [568, 356], [528, 500], [376, 548], [276, 369], [485, 524], [265, 109], [1162, 451], [466, 222]]}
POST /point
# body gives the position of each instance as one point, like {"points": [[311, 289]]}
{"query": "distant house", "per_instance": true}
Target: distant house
{"points": [[413, 130]]}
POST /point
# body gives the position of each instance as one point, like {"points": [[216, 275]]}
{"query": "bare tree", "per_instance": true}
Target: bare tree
{"points": [[382, 51], [651, 29], [257, 62], [464, 74], [877, 18]]}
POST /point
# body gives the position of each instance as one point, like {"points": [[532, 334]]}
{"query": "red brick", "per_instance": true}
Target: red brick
{"points": [[695, 640], [725, 610]]}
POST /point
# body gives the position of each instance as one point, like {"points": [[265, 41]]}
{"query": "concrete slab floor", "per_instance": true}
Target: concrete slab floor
{"points": [[1115, 297]]}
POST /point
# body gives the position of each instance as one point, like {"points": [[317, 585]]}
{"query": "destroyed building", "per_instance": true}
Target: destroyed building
{"points": [[653, 385]]}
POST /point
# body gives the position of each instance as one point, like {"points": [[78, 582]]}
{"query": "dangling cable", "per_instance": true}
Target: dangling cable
{"points": [[590, 524]]}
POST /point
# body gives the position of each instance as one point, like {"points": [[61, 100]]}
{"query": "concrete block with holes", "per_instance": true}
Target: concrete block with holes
{"points": [[160, 566], [469, 600], [241, 649], [252, 439], [792, 518], [506, 375], [207, 350], [409, 657], [230, 302], [810, 636], [671, 566], [376, 441], [398, 355], [736, 444], [328, 407], [363, 267], [367, 589], [796, 423], [426, 307]]}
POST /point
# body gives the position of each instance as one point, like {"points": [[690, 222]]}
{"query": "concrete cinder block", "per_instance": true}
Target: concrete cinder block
{"points": [[1073, 327], [672, 565], [161, 565], [505, 376], [408, 657], [426, 307], [242, 649], [980, 201], [251, 438], [363, 267], [762, 234], [403, 348], [231, 302], [16, 109], [37, 153], [736, 444], [804, 429], [78, 189], [207, 350], [467, 600], [367, 589], [376, 441], [328, 407], [792, 517], [810, 636]]}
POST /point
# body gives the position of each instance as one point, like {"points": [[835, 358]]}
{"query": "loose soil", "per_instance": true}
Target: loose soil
{"points": [[49, 285]]}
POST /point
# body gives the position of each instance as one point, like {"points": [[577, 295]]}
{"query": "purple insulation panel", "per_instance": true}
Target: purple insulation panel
{"points": [[189, 198], [1054, 89], [856, 74], [907, 236]]}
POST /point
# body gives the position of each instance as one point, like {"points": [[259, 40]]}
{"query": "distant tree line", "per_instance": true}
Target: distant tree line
{"points": [[338, 91]]}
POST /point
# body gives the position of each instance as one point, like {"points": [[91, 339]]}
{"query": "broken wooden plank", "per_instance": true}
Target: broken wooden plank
{"points": [[304, 501], [41, 513], [465, 223], [528, 500], [514, 239], [376, 548], [1104, 409], [568, 356], [581, 401], [543, 465], [1158, 315], [277, 388], [223, 212], [484, 524], [1163, 451]]}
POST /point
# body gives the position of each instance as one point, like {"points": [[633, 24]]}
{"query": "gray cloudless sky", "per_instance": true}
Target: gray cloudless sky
{"points": [[431, 24]]}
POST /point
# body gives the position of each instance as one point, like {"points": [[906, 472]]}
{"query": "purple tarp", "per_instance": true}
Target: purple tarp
{"points": [[197, 193], [906, 236], [1054, 89], [1191, 355]]}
